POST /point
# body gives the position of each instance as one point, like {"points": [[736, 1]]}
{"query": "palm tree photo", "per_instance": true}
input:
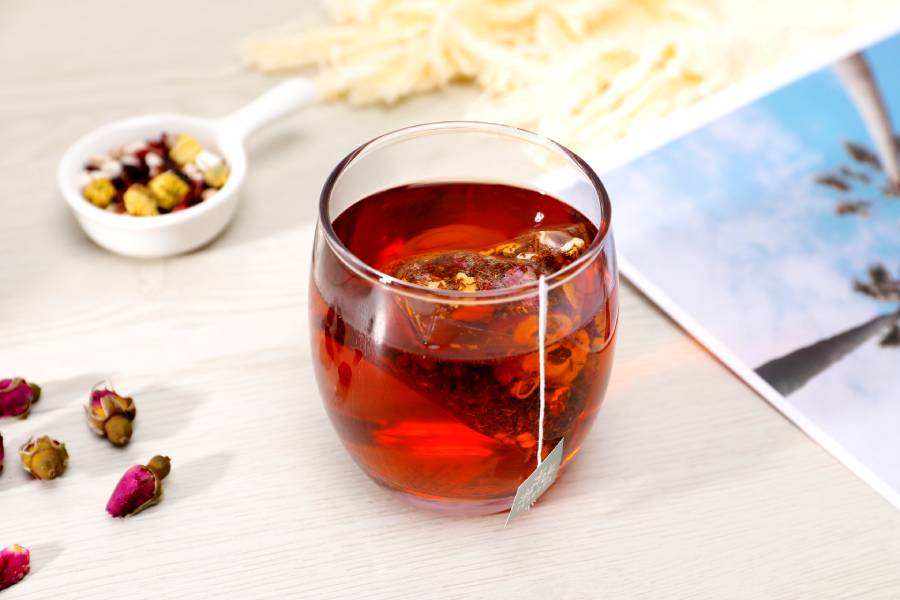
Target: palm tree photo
{"points": [[771, 234], [790, 372]]}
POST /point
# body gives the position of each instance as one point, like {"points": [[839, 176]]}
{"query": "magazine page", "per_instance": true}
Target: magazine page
{"points": [[772, 234]]}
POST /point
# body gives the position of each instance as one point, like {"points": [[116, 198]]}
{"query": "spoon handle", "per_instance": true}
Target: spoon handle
{"points": [[277, 102]]}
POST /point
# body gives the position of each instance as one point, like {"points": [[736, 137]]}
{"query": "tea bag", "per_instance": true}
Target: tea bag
{"points": [[465, 271], [491, 378], [514, 262], [549, 249]]}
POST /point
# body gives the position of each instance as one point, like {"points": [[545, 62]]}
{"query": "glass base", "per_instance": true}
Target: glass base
{"points": [[453, 507]]}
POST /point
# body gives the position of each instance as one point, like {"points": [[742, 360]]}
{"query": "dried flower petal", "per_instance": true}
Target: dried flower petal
{"points": [[44, 458], [139, 488], [17, 396], [109, 414], [14, 564], [207, 160]]}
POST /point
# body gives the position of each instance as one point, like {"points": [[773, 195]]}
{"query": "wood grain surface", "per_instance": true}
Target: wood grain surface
{"points": [[690, 486]]}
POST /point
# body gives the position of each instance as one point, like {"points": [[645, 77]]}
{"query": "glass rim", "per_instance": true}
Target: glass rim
{"points": [[516, 292]]}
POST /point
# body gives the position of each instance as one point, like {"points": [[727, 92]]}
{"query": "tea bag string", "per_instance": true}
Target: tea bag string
{"points": [[542, 338]]}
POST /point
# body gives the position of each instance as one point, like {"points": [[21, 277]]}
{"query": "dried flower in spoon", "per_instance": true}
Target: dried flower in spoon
{"points": [[14, 564], [139, 488], [44, 458], [110, 415], [17, 396], [153, 177]]}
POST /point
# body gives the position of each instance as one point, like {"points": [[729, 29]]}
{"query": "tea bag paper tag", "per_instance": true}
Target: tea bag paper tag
{"points": [[537, 483]]}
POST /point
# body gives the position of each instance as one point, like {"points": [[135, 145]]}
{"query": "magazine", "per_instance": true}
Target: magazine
{"points": [[771, 232]]}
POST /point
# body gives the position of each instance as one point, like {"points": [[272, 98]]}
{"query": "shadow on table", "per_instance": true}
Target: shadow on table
{"points": [[162, 412], [42, 555], [197, 475], [61, 393], [273, 197], [53, 414], [645, 446]]}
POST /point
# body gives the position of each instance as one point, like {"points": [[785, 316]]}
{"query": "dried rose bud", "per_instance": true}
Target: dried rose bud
{"points": [[110, 415], [44, 458], [139, 488], [17, 396], [14, 564]]}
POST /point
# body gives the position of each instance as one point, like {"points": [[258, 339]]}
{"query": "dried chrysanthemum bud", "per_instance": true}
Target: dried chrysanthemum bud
{"points": [[14, 564], [168, 189], [139, 201], [110, 415], [185, 149], [17, 396], [44, 458], [216, 176], [139, 488], [100, 192]]}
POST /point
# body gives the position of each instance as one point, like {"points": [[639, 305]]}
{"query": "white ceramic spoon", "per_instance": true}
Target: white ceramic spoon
{"points": [[174, 233]]}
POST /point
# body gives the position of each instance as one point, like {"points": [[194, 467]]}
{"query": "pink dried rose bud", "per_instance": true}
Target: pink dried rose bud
{"points": [[139, 488], [110, 415], [17, 396], [14, 564], [44, 458]]}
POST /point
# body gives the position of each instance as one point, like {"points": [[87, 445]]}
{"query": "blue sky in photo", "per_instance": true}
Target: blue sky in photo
{"points": [[729, 223], [815, 127]]}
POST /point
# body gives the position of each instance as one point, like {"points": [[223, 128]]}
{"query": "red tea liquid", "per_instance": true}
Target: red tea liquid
{"points": [[441, 400]]}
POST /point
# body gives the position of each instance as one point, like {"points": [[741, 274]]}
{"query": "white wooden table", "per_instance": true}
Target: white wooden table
{"points": [[689, 486]]}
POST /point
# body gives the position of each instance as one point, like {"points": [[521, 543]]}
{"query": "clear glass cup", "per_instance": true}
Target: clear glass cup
{"points": [[447, 418]]}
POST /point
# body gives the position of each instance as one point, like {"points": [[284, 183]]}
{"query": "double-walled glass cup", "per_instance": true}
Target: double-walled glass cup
{"points": [[436, 393]]}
